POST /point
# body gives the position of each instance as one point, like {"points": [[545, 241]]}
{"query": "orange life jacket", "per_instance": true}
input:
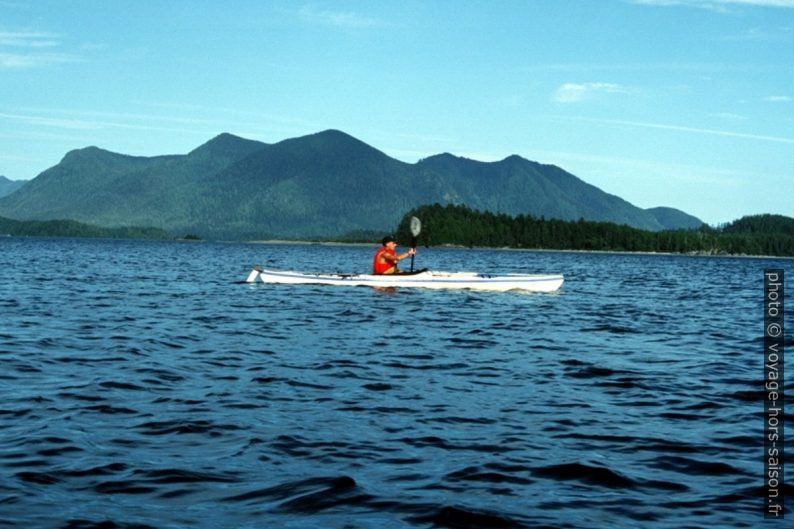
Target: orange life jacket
{"points": [[378, 266]]}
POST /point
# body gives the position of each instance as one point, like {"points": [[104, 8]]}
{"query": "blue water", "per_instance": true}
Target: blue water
{"points": [[144, 384]]}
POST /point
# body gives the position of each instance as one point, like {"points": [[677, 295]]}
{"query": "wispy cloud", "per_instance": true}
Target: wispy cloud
{"points": [[89, 123], [681, 128], [717, 5], [608, 166], [778, 99], [25, 49], [770, 34], [35, 60], [729, 116], [105, 121], [577, 92], [340, 19], [28, 39], [74, 124]]}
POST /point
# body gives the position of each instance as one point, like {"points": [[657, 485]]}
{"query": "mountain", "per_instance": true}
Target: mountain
{"points": [[675, 219], [103, 188], [321, 185], [530, 188], [9, 186]]}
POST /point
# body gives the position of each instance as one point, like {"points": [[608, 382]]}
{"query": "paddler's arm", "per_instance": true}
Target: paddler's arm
{"points": [[405, 255], [394, 259]]}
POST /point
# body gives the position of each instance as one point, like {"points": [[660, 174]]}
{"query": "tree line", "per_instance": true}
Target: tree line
{"points": [[463, 226], [71, 228]]}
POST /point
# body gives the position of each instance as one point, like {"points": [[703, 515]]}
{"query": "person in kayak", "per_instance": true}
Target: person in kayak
{"points": [[386, 258]]}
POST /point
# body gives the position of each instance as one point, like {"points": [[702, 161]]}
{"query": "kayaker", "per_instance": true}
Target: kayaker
{"points": [[386, 258]]}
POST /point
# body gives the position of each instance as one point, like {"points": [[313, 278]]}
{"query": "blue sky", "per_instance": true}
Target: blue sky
{"points": [[683, 103]]}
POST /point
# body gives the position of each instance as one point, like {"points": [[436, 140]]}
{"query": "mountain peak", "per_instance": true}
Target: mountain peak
{"points": [[445, 158], [332, 141], [224, 137], [225, 144], [334, 133], [335, 137], [514, 158], [671, 218], [86, 153], [8, 186]]}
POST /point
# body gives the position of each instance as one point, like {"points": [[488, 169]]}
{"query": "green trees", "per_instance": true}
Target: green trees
{"points": [[71, 228], [463, 226]]}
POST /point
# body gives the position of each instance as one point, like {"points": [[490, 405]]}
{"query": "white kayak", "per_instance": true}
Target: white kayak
{"points": [[422, 279]]}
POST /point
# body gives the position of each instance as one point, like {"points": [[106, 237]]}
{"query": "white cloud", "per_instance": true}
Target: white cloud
{"points": [[717, 5], [730, 116], [761, 34], [342, 19], [24, 49], [35, 60], [576, 92], [28, 39], [778, 99]]}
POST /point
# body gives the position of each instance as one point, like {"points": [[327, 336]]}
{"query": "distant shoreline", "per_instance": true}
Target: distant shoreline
{"points": [[508, 249], [441, 246], [310, 243]]}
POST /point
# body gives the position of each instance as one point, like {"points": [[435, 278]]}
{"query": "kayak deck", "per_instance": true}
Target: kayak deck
{"points": [[422, 279]]}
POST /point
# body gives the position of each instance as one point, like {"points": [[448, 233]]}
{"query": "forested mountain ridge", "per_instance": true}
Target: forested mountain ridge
{"points": [[766, 224], [71, 228], [322, 185], [8, 186], [462, 226], [674, 219]]}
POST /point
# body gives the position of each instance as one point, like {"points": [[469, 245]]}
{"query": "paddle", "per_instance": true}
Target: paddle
{"points": [[416, 227]]}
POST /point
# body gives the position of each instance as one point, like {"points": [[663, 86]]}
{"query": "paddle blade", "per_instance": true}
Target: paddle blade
{"points": [[416, 226], [253, 275]]}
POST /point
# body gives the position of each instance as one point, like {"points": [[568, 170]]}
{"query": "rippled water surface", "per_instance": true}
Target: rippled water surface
{"points": [[144, 384]]}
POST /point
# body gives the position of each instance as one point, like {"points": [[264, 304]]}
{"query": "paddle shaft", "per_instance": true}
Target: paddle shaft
{"points": [[413, 245]]}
